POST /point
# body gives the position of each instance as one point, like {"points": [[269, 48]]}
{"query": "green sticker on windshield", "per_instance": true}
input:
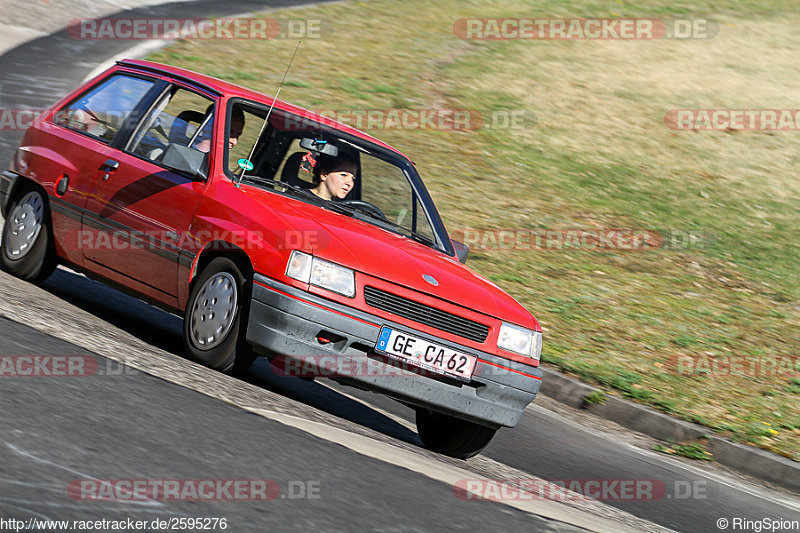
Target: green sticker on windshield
{"points": [[245, 164]]}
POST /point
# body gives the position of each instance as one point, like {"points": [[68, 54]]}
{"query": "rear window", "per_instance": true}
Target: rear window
{"points": [[101, 111]]}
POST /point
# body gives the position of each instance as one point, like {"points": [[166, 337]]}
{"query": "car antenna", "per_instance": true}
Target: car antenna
{"points": [[248, 163]]}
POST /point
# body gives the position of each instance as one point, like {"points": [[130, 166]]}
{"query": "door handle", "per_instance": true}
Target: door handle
{"points": [[109, 166]]}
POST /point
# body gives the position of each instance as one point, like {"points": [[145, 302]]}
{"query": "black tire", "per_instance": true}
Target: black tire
{"points": [[452, 436], [27, 250], [210, 336]]}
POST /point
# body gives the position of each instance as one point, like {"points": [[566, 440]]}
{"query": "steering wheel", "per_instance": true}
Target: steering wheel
{"points": [[366, 207]]}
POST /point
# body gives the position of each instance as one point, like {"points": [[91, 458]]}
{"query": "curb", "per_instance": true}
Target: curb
{"points": [[746, 459]]}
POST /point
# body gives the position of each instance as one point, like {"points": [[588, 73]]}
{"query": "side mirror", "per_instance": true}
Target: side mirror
{"points": [[185, 159], [462, 250]]}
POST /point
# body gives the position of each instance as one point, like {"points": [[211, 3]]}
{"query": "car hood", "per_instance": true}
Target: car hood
{"points": [[396, 259]]}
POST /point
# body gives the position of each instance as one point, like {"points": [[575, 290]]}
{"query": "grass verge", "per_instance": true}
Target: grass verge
{"points": [[690, 450], [697, 327]]}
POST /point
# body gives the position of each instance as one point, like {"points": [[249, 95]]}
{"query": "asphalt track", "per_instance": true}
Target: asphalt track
{"points": [[132, 425]]}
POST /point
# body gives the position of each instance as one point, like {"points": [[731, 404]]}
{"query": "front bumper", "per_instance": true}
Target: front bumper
{"points": [[287, 322]]}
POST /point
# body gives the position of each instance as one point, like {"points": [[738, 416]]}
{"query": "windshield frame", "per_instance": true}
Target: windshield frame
{"points": [[408, 169]]}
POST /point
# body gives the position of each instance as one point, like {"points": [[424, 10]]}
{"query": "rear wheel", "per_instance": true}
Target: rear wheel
{"points": [[215, 322], [27, 249], [452, 436]]}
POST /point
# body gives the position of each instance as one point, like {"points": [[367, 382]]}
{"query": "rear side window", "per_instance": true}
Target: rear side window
{"points": [[101, 111], [179, 126]]}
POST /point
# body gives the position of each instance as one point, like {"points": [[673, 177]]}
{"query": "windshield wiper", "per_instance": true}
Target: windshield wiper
{"points": [[273, 183]]}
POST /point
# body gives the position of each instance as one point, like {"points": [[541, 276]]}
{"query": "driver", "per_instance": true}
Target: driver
{"points": [[334, 177]]}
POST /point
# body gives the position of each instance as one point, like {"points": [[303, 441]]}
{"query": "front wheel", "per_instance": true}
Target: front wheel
{"points": [[215, 320], [27, 249], [452, 436]]}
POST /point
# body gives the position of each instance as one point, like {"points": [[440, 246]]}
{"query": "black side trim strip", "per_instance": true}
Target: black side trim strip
{"points": [[65, 208], [135, 238], [186, 258]]}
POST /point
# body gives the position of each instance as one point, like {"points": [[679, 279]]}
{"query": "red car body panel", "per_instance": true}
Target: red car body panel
{"points": [[179, 218]]}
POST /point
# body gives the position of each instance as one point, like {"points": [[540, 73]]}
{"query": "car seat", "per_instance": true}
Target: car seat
{"points": [[178, 131], [291, 171]]}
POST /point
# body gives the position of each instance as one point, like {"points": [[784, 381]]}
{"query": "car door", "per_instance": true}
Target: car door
{"points": [[79, 146], [143, 203]]}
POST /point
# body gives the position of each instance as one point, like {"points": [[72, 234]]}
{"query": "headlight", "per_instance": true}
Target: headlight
{"points": [[309, 269], [520, 340]]}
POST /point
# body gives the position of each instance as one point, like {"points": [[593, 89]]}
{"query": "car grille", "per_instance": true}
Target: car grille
{"points": [[424, 314]]}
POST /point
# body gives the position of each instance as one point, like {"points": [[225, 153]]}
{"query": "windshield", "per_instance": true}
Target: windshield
{"points": [[331, 169]]}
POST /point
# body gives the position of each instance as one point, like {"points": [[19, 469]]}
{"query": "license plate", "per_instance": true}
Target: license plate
{"points": [[427, 355]]}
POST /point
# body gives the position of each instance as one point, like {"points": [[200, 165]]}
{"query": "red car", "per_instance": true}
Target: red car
{"points": [[275, 232]]}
